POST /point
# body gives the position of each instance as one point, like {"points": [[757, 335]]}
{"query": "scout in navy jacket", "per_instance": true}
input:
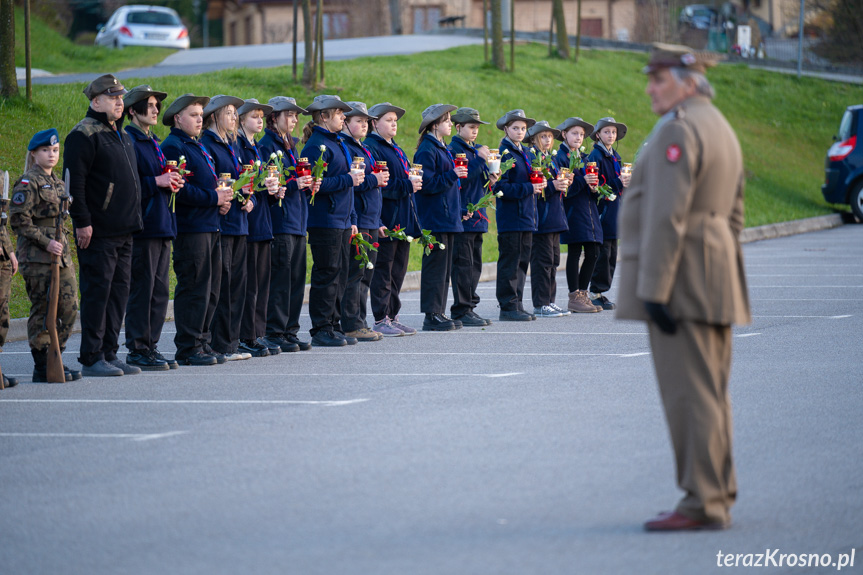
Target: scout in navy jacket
{"points": [[259, 219], [334, 201], [197, 202], [579, 204], [291, 216], [159, 220], [473, 187], [516, 209], [235, 222], [439, 200], [399, 207], [608, 166], [550, 215], [368, 200]]}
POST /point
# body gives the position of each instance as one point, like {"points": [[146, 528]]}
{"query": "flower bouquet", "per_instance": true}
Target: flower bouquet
{"points": [[180, 168], [318, 171], [363, 247], [397, 233], [428, 242]]}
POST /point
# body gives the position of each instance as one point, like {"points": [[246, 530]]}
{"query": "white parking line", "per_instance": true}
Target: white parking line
{"points": [[747, 334], [806, 316], [132, 436], [336, 403], [508, 354], [352, 374], [803, 275], [803, 287]]}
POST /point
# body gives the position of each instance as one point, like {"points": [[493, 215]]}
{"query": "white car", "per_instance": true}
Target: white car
{"points": [[144, 26]]}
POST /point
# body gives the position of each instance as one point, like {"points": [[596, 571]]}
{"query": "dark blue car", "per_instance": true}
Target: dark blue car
{"points": [[844, 163]]}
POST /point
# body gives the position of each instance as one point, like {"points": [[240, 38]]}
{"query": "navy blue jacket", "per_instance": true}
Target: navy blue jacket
{"points": [[516, 210], [236, 221], [608, 164], [473, 187], [159, 220], [197, 201], [367, 196], [291, 216], [260, 220], [579, 204], [550, 217], [334, 202], [439, 200], [399, 205]]}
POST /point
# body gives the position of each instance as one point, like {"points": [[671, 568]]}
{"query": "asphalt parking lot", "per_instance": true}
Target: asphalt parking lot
{"points": [[518, 448]]}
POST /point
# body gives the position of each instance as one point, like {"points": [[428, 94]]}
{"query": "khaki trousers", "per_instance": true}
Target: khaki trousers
{"points": [[693, 367]]}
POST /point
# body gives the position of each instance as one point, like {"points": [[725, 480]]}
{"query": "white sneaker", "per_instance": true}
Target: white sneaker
{"points": [[546, 311], [559, 309], [237, 356]]}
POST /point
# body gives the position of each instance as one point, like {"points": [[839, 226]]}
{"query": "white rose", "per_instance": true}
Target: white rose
{"points": [[581, 149], [409, 238], [273, 156], [612, 197], [532, 150], [441, 246], [182, 159], [279, 152], [505, 152], [323, 148], [554, 152], [257, 162], [499, 194], [370, 266]]}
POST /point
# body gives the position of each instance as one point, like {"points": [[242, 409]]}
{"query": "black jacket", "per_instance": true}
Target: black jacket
{"points": [[104, 184]]}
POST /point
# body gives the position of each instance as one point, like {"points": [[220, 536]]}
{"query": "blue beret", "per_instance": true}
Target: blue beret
{"points": [[48, 137]]}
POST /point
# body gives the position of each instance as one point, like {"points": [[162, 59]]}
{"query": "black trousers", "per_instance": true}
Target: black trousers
{"points": [[466, 269], [579, 279], [513, 259], [354, 307], [603, 273], [225, 326], [198, 266], [330, 260], [287, 285], [257, 289], [149, 293], [544, 259], [105, 272], [436, 269], [390, 270]]}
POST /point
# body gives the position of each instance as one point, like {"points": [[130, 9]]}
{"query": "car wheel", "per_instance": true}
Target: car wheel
{"points": [[856, 200]]}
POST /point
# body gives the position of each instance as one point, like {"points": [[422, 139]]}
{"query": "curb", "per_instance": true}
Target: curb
{"points": [[18, 327]]}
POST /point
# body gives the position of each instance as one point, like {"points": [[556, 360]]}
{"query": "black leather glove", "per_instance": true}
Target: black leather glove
{"points": [[660, 315]]}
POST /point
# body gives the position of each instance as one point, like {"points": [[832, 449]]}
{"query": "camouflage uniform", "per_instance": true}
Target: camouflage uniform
{"points": [[33, 214], [5, 282]]}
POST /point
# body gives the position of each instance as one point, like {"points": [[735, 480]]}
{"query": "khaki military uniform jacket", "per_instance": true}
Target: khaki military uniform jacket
{"points": [[33, 213], [5, 243], [681, 221]]}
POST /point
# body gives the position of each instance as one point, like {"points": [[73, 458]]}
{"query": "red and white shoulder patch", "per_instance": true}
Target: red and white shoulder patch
{"points": [[672, 153]]}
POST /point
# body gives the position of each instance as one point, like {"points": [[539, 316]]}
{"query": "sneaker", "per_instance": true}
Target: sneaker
{"points": [[405, 328], [600, 300], [364, 334], [387, 329], [237, 356], [278, 342], [546, 311], [252, 348], [101, 369], [199, 358], [437, 322], [304, 345], [327, 339], [145, 360], [515, 315], [172, 363], [127, 369], [562, 311], [274, 349]]}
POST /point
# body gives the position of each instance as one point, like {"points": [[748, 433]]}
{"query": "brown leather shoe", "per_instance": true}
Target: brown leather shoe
{"points": [[674, 521]]}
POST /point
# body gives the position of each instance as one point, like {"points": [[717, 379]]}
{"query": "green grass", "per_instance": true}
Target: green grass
{"points": [[55, 53], [784, 124]]}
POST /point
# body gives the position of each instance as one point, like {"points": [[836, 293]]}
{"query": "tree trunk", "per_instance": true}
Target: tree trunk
{"points": [[319, 46], [578, 32], [497, 35], [309, 63], [560, 21], [396, 18], [8, 80]]}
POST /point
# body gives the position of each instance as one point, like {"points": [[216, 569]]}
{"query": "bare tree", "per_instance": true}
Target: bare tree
{"points": [[497, 35], [309, 62], [559, 19], [8, 79]]}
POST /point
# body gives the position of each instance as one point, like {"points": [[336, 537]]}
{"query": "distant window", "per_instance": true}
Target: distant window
{"points": [[591, 27], [153, 18], [336, 24], [426, 18]]}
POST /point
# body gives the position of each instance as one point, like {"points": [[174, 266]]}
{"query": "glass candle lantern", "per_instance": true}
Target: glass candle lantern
{"points": [[536, 176], [416, 172], [225, 181], [358, 166], [460, 161], [171, 166], [380, 167], [590, 168], [493, 161], [626, 168], [303, 168], [564, 174]]}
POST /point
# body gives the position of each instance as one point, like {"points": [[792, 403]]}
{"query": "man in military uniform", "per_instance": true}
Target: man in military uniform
{"points": [[8, 268], [683, 274], [36, 204], [106, 211]]}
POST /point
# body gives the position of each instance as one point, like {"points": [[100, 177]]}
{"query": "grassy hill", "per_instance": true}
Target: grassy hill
{"points": [[785, 124]]}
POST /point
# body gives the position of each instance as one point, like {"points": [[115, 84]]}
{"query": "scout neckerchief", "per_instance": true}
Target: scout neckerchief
{"points": [[210, 162], [365, 151], [441, 144], [402, 157], [340, 140], [521, 151], [230, 149], [254, 146], [162, 162]]}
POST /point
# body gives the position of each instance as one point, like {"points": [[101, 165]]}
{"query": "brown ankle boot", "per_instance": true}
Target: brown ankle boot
{"points": [[581, 303]]}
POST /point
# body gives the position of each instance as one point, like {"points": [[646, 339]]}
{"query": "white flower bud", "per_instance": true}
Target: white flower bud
{"points": [[182, 159], [499, 194], [323, 148], [581, 149], [554, 152], [257, 162], [409, 238], [505, 152], [612, 197], [532, 150], [370, 266], [273, 156], [441, 246], [280, 153]]}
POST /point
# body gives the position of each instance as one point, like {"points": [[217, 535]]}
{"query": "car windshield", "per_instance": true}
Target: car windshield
{"points": [[153, 18], [845, 126]]}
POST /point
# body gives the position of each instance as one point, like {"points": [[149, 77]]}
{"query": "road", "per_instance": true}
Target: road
{"points": [[520, 448]]}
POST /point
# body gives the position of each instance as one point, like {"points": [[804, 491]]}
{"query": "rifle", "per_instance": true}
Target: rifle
{"points": [[55, 372]]}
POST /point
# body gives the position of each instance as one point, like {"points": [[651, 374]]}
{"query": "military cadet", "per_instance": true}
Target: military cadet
{"points": [[258, 243], [467, 246], [151, 248], [439, 210], [398, 212], [289, 212], [367, 204], [37, 202], [220, 128], [197, 250], [8, 268], [106, 211], [682, 272]]}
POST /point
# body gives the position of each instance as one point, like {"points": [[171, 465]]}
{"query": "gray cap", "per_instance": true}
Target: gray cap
{"points": [[379, 110], [603, 122], [180, 104], [327, 102], [542, 126], [512, 116], [359, 109], [466, 116], [107, 84], [434, 113], [572, 122], [142, 92], [252, 104], [285, 104], [220, 101]]}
